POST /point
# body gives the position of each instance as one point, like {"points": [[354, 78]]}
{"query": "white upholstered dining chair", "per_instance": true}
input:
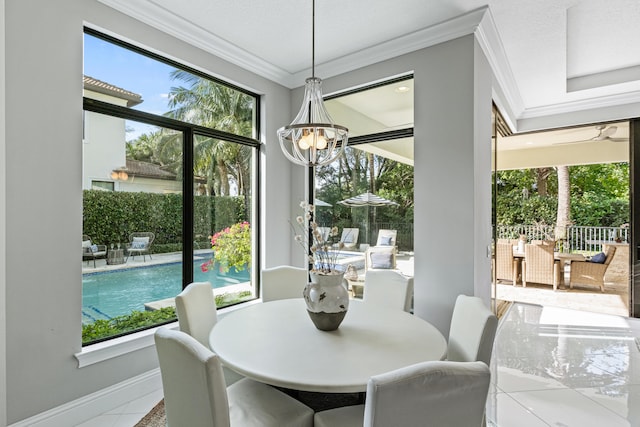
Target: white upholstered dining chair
{"points": [[197, 315], [196, 395], [388, 288], [427, 394], [283, 282], [472, 332], [196, 311]]}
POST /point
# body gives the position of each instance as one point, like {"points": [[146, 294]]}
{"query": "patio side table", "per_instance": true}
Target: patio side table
{"points": [[115, 256]]}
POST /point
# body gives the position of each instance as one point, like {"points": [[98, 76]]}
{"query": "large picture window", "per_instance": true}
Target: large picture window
{"points": [[174, 153], [366, 196]]}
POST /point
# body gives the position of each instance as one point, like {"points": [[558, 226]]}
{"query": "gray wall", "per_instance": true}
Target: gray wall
{"points": [[452, 151], [3, 226], [43, 202]]}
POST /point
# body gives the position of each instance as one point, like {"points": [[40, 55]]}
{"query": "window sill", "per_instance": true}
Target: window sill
{"points": [[110, 349]]}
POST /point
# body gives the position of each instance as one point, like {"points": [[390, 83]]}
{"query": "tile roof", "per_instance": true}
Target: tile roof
{"points": [[148, 170], [108, 89]]}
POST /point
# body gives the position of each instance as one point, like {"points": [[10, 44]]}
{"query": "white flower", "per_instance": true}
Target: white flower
{"points": [[319, 251]]}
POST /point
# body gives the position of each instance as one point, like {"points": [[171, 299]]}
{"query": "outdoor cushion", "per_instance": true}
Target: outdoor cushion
{"points": [[385, 241], [94, 248], [381, 260], [599, 258], [86, 243], [139, 242], [348, 239]]}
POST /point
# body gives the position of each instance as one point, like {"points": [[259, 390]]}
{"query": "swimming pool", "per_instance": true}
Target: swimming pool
{"points": [[115, 293]]}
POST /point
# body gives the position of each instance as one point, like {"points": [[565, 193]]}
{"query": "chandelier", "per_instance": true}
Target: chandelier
{"points": [[312, 139]]}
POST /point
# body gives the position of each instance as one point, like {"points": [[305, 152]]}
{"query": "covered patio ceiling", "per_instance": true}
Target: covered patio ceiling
{"points": [[575, 146], [390, 107]]}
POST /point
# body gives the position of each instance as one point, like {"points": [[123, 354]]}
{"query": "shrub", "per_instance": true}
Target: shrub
{"points": [[231, 248], [138, 320]]}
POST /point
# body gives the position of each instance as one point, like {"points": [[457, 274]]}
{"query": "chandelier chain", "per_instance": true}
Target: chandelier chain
{"points": [[313, 38]]}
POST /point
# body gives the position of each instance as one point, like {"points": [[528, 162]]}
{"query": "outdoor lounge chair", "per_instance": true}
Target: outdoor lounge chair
{"points": [[349, 237], [140, 244], [590, 273], [325, 232], [91, 251], [380, 258], [387, 238]]}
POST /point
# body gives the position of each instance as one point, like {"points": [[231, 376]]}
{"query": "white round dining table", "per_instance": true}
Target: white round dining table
{"points": [[276, 343]]}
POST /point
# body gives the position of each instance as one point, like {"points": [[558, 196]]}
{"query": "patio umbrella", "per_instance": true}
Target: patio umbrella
{"points": [[367, 199], [320, 203]]}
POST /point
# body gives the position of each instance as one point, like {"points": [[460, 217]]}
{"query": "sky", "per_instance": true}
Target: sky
{"points": [[130, 71]]}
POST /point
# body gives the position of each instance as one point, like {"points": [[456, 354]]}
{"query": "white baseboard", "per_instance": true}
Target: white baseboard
{"points": [[94, 404]]}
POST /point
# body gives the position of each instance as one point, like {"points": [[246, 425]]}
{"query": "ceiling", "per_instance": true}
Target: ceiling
{"points": [[560, 55], [554, 56]]}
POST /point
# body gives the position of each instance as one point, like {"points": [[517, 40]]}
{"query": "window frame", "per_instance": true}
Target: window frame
{"points": [[188, 131]]}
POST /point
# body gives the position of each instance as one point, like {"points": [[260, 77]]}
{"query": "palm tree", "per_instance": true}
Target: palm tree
{"points": [[212, 105], [564, 202]]}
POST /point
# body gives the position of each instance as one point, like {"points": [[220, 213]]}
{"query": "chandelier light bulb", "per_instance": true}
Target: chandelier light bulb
{"points": [[306, 141], [312, 138], [321, 142]]}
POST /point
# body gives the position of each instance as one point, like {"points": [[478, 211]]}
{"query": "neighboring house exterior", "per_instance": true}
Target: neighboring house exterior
{"points": [[104, 148]]}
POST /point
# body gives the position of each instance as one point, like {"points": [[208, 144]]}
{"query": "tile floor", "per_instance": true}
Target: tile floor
{"points": [[562, 367], [126, 415], [551, 367]]}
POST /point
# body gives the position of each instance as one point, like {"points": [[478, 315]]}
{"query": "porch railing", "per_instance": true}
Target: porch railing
{"points": [[578, 238]]}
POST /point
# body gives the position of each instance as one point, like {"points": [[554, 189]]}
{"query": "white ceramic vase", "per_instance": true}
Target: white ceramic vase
{"points": [[327, 300]]}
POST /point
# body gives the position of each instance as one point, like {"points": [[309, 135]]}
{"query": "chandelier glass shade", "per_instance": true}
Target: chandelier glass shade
{"points": [[312, 139]]}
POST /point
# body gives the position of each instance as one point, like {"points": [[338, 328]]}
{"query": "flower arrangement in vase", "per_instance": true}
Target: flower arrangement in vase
{"points": [[326, 296], [317, 244]]}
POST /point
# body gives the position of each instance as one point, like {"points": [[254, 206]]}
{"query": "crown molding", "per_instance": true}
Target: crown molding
{"points": [[439, 33], [505, 89], [605, 101], [158, 17]]}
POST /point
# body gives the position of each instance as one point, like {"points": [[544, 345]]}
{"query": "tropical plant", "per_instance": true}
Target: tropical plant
{"points": [[207, 103]]}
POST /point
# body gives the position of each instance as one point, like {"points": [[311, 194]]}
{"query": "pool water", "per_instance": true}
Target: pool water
{"points": [[115, 293]]}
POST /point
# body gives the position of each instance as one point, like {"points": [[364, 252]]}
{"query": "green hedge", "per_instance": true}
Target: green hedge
{"points": [[109, 217]]}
